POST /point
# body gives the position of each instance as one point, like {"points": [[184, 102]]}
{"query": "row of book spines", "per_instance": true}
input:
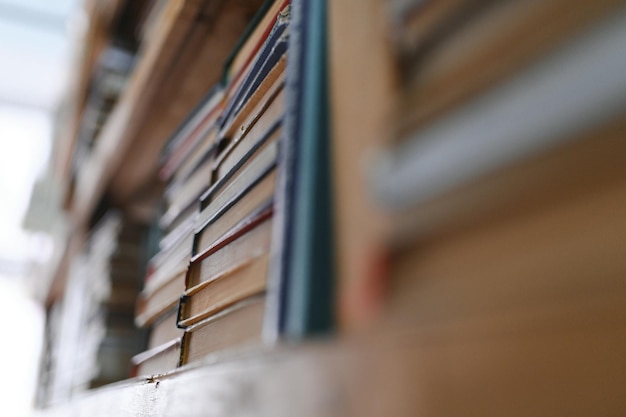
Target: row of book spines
{"points": [[213, 306], [259, 100], [221, 100], [244, 278], [172, 263], [223, 305], [214, 302], [223, 165], [231, 160], [249, 239], [260, 126], [441, 195], [254, 156], [233, 234], [221, 301], [212, 335], [481, 41]]}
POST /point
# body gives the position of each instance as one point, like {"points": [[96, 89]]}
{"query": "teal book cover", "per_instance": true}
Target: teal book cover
{"points": [[309, 267]]}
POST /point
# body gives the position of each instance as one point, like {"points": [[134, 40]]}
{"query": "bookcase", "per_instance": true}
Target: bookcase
{"points": [[401, 207]]}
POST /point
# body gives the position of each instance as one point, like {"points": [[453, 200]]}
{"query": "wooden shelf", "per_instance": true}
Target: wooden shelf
{"points": [[478, 368]]}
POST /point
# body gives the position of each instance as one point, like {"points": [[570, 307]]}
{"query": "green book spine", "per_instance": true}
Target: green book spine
{"points": [[310, 273]]}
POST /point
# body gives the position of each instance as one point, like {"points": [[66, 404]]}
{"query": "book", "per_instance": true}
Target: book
{"points": [[259, 66], [175, 215], [252, 40], [257, 102], [240, 207], [252, 168], [235, 328], [226, 257], [158, 360], [96, 336], [159, 299], [188, 191], [188, 165], [178, 232], [165, 264], [266, 67], [547, 263], [232, 238], [261, 123], [164, 329], [190, 132], [245, 279], [205, 148], [307, 260]]}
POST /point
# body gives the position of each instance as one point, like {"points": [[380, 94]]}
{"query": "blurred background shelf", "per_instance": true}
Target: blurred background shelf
{"points": [[435, 371], [172, 74]]}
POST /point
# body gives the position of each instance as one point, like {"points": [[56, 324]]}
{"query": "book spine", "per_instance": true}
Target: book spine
{"points": [[277, 280], [307, 268]]}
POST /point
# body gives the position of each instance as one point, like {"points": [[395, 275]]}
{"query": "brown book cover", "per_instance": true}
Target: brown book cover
{"points": [[241, 206], [212, 296], [159, 360], [220, 255], [173, 252], [259, 160], [182, 229], [151, 304], [164, 329], [175, 216], [362, 74], [236, 327]]}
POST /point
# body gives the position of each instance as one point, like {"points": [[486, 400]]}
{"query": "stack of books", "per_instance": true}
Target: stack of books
{"points": [[223, 304], [97, 335], [221, 169], [116, 259], [187, 165]]}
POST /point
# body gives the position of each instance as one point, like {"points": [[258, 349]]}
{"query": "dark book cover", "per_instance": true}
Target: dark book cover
{"points": [[301, 281]]}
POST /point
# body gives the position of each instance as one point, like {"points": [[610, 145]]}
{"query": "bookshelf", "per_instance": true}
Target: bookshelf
{"points": [[475, 187]]}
